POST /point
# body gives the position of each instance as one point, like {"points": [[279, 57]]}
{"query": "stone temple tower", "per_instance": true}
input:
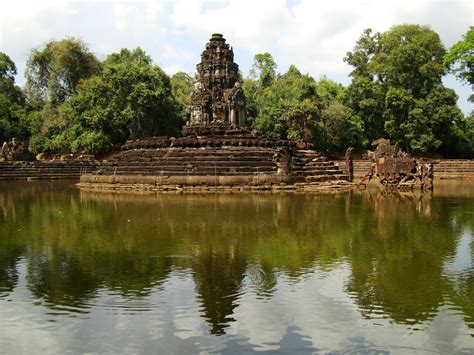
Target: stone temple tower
{"points": [[217, 102]]}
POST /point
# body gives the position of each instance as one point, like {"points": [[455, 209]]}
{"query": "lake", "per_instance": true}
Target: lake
{"points": [[356, 272]]}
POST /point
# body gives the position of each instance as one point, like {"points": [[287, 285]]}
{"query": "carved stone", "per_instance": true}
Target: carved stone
{"points": [[217, 102], [15, 151], [216, 149]]}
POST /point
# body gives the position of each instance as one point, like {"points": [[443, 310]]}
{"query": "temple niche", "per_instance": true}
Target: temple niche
{"points": [[217, 102]]}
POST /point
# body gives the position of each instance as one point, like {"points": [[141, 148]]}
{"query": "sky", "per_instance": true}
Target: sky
{"points": [[312, 34]]}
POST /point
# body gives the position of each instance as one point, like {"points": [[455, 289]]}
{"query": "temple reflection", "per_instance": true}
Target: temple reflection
{"points": [[397, 248]]}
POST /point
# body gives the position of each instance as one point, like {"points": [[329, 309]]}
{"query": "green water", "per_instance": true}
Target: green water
{"points": [[235, 273]]}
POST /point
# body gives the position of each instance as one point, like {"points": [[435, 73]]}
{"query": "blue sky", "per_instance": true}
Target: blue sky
{"points": [[313, 35]]}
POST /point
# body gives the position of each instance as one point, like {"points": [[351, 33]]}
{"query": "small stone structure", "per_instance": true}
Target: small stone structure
{"points": [[216, 152], [15, 151], [395, 169]]}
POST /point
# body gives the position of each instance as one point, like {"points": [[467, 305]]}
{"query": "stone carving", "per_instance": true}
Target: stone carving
{"points": [[216, 150], [217, 99], [394, 168], [15, 151]]}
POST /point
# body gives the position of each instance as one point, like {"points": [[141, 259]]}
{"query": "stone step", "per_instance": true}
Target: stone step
{"points": [[197, 151], [39, 176], [316, 171], [195, 158], [311, 161], [157, 167], [182, 173], [193, 172], [190, 167], [321, 178], [189, 161], [45, 169]]}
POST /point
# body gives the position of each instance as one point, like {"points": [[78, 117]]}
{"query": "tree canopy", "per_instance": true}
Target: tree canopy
{"points": [[129, 98], [297, 107], [12, 102], [182, 87], [396, 88], [73, 102], [460, 59], [54, 71]]}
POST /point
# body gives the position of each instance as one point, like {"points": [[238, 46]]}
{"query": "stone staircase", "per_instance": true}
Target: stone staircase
{"points": [[307, 165], [445, 169], [183, 161], [55, 169], [454, 169], [310, 166]]}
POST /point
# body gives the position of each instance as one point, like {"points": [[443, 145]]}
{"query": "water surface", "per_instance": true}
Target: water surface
{"points": [[235, 273]]}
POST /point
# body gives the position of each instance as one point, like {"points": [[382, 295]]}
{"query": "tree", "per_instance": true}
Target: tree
{"points": [[336, 129], [263, 69], [261, 76], [396, 88], [182, 87], [7, 69], [289, 106], [460, 58], [54, 71], [12, 102], [295, 106], [131, 98], [409, 57]]}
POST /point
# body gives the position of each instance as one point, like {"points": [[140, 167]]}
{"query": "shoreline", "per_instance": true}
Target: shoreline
{"points": [[446, 169]]}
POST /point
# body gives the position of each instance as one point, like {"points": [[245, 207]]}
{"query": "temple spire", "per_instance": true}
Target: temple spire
{"points": [[217, 99]]}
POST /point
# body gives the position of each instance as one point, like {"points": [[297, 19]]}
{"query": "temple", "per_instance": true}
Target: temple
{"points": [[216, 150], [217, 102]]}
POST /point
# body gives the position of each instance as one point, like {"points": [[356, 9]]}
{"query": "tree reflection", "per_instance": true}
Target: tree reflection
{"points": [[398, 264], [9, 258], [218, 277], [79, 244]]}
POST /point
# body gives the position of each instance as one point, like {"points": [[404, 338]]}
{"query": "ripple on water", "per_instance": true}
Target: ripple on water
{"points": [[390, 350]]}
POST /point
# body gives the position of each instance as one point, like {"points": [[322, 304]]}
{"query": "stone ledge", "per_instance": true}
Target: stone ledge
{"points": [[142, 186]]}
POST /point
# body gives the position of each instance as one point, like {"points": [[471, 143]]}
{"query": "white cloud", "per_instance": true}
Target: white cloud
{"points": [[314, 35]]}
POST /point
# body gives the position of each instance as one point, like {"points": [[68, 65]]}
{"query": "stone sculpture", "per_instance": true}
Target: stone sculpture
{"points": [[15, 151], [217, 102], [396, 169]]}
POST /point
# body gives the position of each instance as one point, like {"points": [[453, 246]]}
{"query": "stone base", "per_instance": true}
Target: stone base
{"points": [[240, 161], [273, 183], [213, 129], [236, 139]]}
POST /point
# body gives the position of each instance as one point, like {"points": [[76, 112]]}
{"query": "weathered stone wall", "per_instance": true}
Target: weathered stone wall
{"points": [[445, 169], [45, 169], [279, 160], [186, 161], [134, 183], [454, 169]]}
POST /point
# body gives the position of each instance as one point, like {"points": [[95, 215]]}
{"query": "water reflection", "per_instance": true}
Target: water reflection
{"points": [[396, 257]]}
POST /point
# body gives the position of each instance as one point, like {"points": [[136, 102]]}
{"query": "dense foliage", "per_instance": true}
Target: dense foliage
{"points": [[297, 107], [397, 91], [460, 58], [12, 102], [53, 72], [182, 87], [73, 102], [131, 98], [78, 104]]}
